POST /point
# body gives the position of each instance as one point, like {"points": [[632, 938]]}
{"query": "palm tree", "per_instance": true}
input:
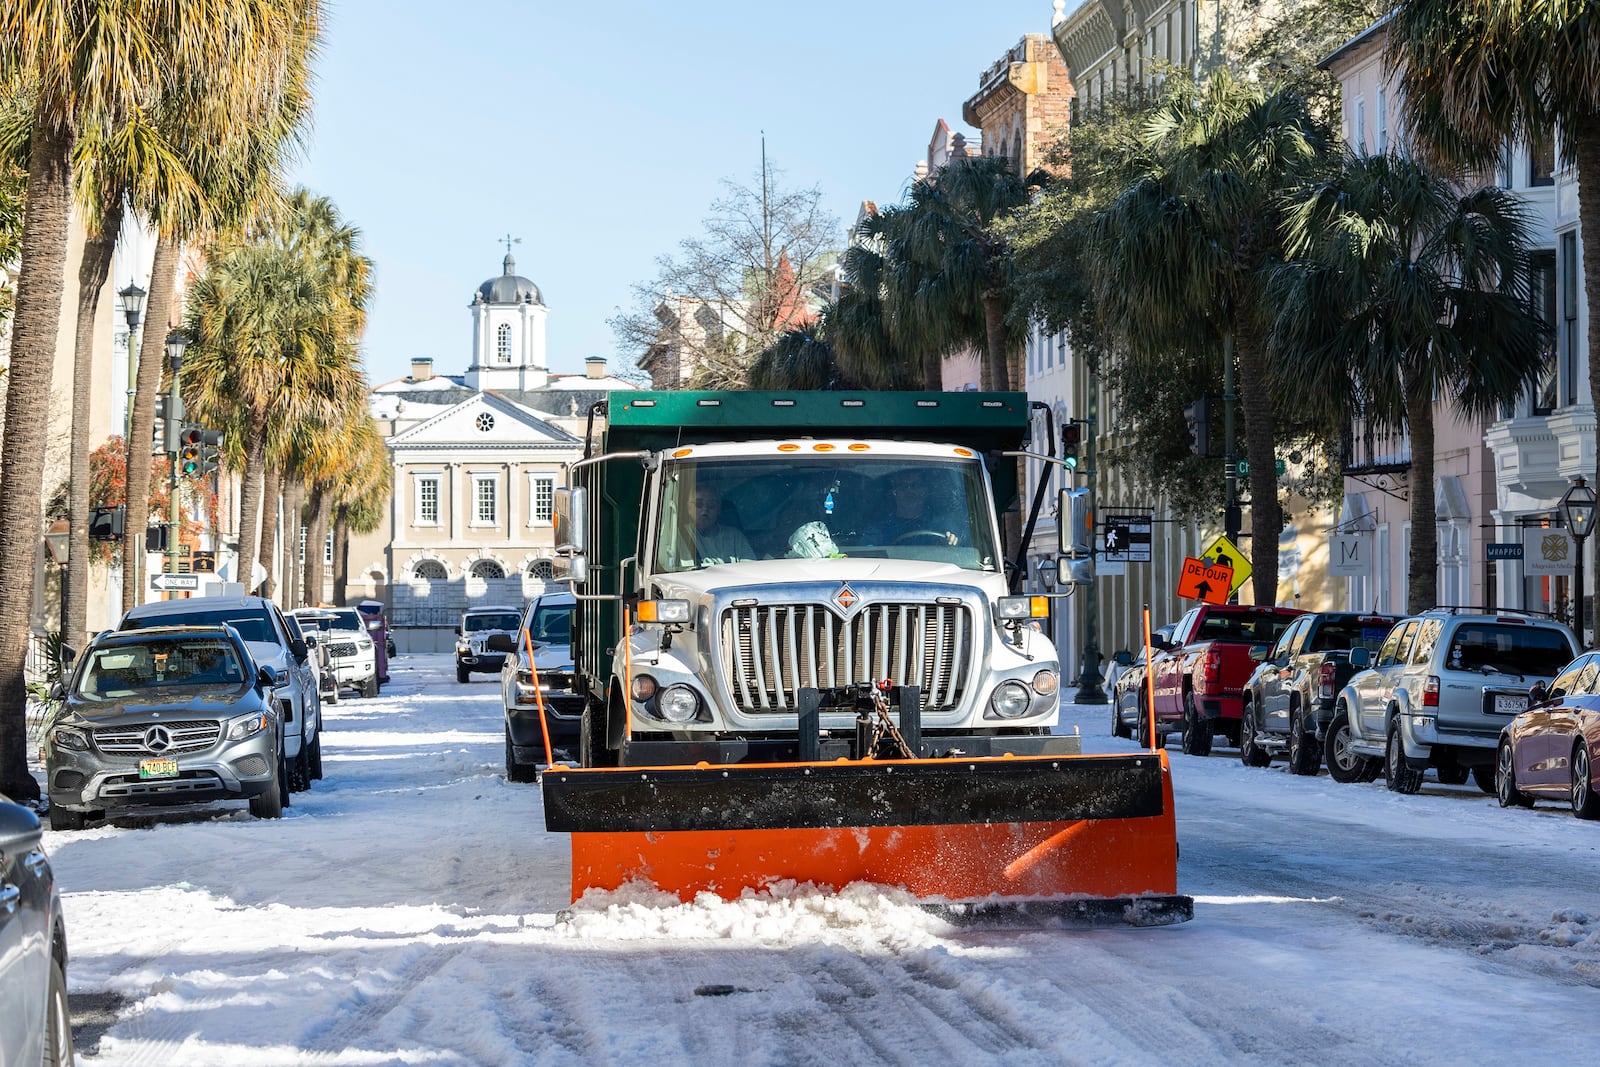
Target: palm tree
{"points": [[1477, 73], [84, 62], [1407, 290], [1184, 253], [363, 495]]}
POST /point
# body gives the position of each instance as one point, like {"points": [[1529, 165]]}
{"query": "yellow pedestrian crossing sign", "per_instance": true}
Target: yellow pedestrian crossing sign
{"points": [[1223, 551]]}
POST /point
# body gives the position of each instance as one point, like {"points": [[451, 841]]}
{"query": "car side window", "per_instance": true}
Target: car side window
{"points": [[1292, 640], [1588, 675], [1184, 624], [1427, 640], [1397, 644], [1567, 681]]}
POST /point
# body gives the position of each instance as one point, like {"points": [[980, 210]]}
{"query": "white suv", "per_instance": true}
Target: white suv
{"points": [[352, 657], [477, 624], [1437, 694]]}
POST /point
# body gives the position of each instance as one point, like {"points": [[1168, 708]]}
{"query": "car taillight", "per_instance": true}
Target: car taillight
{"points": [[1430, 691], [1325, 681], [1211, 669]]}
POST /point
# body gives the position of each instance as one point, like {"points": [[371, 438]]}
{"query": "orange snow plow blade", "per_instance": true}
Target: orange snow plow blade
{"points": [[1095, 833]]}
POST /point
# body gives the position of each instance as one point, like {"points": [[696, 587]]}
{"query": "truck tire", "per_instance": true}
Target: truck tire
{"points": [[1142, 732], [1452, 774], [1305, 752], [518, 772], [1505, 781], [1117, 729], [1196, 729], [1250, 754], [1344, 765], [300, 770], [369, 688], [462, 674], [592, 750], [67, 819], [316, 757], [1401, 776]]}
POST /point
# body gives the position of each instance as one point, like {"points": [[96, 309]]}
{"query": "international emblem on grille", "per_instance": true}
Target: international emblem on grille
{"points": [[845, 597], [157, 739]]}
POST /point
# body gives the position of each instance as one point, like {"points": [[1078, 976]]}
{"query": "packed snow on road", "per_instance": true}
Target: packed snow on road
{"points": [[411, 909]]}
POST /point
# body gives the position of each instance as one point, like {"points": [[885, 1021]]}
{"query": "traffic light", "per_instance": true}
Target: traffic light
{"points": [[197, 451], [1198, 416], [169, 415], [1071, 438]]}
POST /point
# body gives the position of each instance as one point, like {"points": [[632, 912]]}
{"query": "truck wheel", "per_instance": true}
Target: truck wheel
{"points": [[1505, 781], [1454, 774], [369, 688], [269, 805], [462, 674], [1117, 728], [1305, 753], [592, 751], [1401, 776], [1250, 754], [1196, 729], [1585, 805], [1142, 731], [316, 757], [333, 694], [66, 819], [1344, 765], [518, 772]]}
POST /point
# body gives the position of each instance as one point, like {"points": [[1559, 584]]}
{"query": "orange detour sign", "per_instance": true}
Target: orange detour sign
{"points": [[1209, 582]]}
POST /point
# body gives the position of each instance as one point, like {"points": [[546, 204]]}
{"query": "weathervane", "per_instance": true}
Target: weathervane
{"points": [[510, 240]]}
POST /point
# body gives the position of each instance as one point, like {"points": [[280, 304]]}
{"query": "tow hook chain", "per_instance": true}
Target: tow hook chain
{"points": [[883, 726]]}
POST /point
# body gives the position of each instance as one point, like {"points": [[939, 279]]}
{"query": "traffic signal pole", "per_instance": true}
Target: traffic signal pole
{"points": [[173, 514], [1089, 678]]}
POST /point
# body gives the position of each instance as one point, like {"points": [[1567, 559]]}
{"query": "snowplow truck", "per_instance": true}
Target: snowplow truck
{"points": [[803, 659]]}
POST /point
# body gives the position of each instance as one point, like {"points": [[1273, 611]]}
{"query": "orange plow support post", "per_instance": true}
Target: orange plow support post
{"points": [[1083, 837]]}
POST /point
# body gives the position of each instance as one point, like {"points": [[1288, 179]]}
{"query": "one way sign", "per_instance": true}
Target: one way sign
{"points": [[1209, 582]]}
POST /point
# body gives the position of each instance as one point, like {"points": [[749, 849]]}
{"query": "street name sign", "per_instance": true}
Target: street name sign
{"points": [[1210, 582], [1225, 553], [175, 582]]}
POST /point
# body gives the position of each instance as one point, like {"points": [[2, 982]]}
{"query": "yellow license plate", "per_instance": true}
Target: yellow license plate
{"points": [[158, 768]]}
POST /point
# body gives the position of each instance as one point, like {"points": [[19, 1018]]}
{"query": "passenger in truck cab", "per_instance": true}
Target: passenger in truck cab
{"points": [[709, 541]]}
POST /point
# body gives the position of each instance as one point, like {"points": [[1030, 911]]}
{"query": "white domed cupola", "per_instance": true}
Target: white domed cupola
{"points": [[508, 346]]}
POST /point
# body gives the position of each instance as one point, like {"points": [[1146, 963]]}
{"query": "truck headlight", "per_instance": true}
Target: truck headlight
{"points": [[247, 727], [643, 687], [679, 703], [66, 737], [663, 611], [1022, 607], [462, 646], [1010, 700], [1045, 683]]}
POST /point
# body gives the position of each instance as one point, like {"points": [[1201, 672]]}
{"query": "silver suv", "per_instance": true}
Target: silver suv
{"points": [[1437, 694]]}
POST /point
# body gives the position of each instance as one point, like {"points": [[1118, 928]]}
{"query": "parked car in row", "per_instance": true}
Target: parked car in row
{"points": [[352, 653], [317, 659], [1551, 751], [266, 632], [1439, 693], [1288, 700], [1128, 691], [548, 625], [164, 716], [476, 626], [378, 627], [35, 1024], [1200, 671]]}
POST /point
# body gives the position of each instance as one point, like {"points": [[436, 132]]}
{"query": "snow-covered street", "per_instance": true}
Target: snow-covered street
{"points": [[407, 910]]}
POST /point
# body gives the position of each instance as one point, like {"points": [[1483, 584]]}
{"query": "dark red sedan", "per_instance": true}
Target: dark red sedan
{"points": [[1551, 750]]}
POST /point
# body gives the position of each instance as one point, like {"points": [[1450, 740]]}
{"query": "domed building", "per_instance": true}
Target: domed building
{"points": [[508, 351]]}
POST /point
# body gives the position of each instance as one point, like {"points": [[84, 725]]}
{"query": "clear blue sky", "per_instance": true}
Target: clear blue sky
{"points": [[599, 134]]}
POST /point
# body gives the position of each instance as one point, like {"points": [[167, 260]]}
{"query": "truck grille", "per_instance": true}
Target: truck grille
{"points": [[342, 650], [178, 736], [769, 652]]}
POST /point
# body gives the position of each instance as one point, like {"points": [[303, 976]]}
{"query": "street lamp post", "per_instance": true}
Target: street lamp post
{"points": [[57, 542], [131, 300], [1577, 504], [177, 341]]}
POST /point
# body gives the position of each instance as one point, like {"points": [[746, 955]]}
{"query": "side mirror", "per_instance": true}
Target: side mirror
{"points": [[1123, 658], [500, 643], [311, 640], [300, 649], [1259, 653], [1537, 694], [374, 624], [1360, 659], [267, 678], [458, 631], [58, 692], [68, 654]]}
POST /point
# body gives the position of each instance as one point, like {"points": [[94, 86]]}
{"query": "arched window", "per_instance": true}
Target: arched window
{"points": [[488, 568], [429, 569], [502, 343], [542, 569]]}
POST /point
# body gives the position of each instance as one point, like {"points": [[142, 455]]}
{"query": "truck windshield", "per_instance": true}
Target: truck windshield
{"points": [[825, 506]]}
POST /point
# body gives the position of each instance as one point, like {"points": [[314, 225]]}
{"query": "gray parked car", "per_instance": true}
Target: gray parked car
{"points": [[34, 1022], [1437, 694], [548, 623], [164, 717], [271, 644]]}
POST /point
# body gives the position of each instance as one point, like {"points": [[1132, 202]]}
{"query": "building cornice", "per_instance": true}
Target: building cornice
{"points": [[1088, 35]]}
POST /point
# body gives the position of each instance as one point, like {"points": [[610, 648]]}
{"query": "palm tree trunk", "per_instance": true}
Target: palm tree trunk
{"points": [[316, 535], [1260, 449], [1422, 566], [294, 495], [341, 557], [93, 270], [152, 356], [255, 450], [41, 282], [995, 373], [271, 506], [1585, 142]]}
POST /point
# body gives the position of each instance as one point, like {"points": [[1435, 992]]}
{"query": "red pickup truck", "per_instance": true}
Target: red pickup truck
{"points": [[1200, 673]]}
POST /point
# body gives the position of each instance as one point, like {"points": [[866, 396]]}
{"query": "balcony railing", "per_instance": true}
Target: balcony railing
{"points": [[1368, 449]]}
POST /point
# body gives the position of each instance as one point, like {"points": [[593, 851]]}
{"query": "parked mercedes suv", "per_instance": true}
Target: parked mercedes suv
{"points": [[1438, 693], [267, 635]]}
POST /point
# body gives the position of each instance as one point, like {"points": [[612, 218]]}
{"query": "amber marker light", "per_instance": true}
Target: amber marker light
{"points": [[680, 453], [788, 448], [822, 447], [965, 452], [859, 447]]}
